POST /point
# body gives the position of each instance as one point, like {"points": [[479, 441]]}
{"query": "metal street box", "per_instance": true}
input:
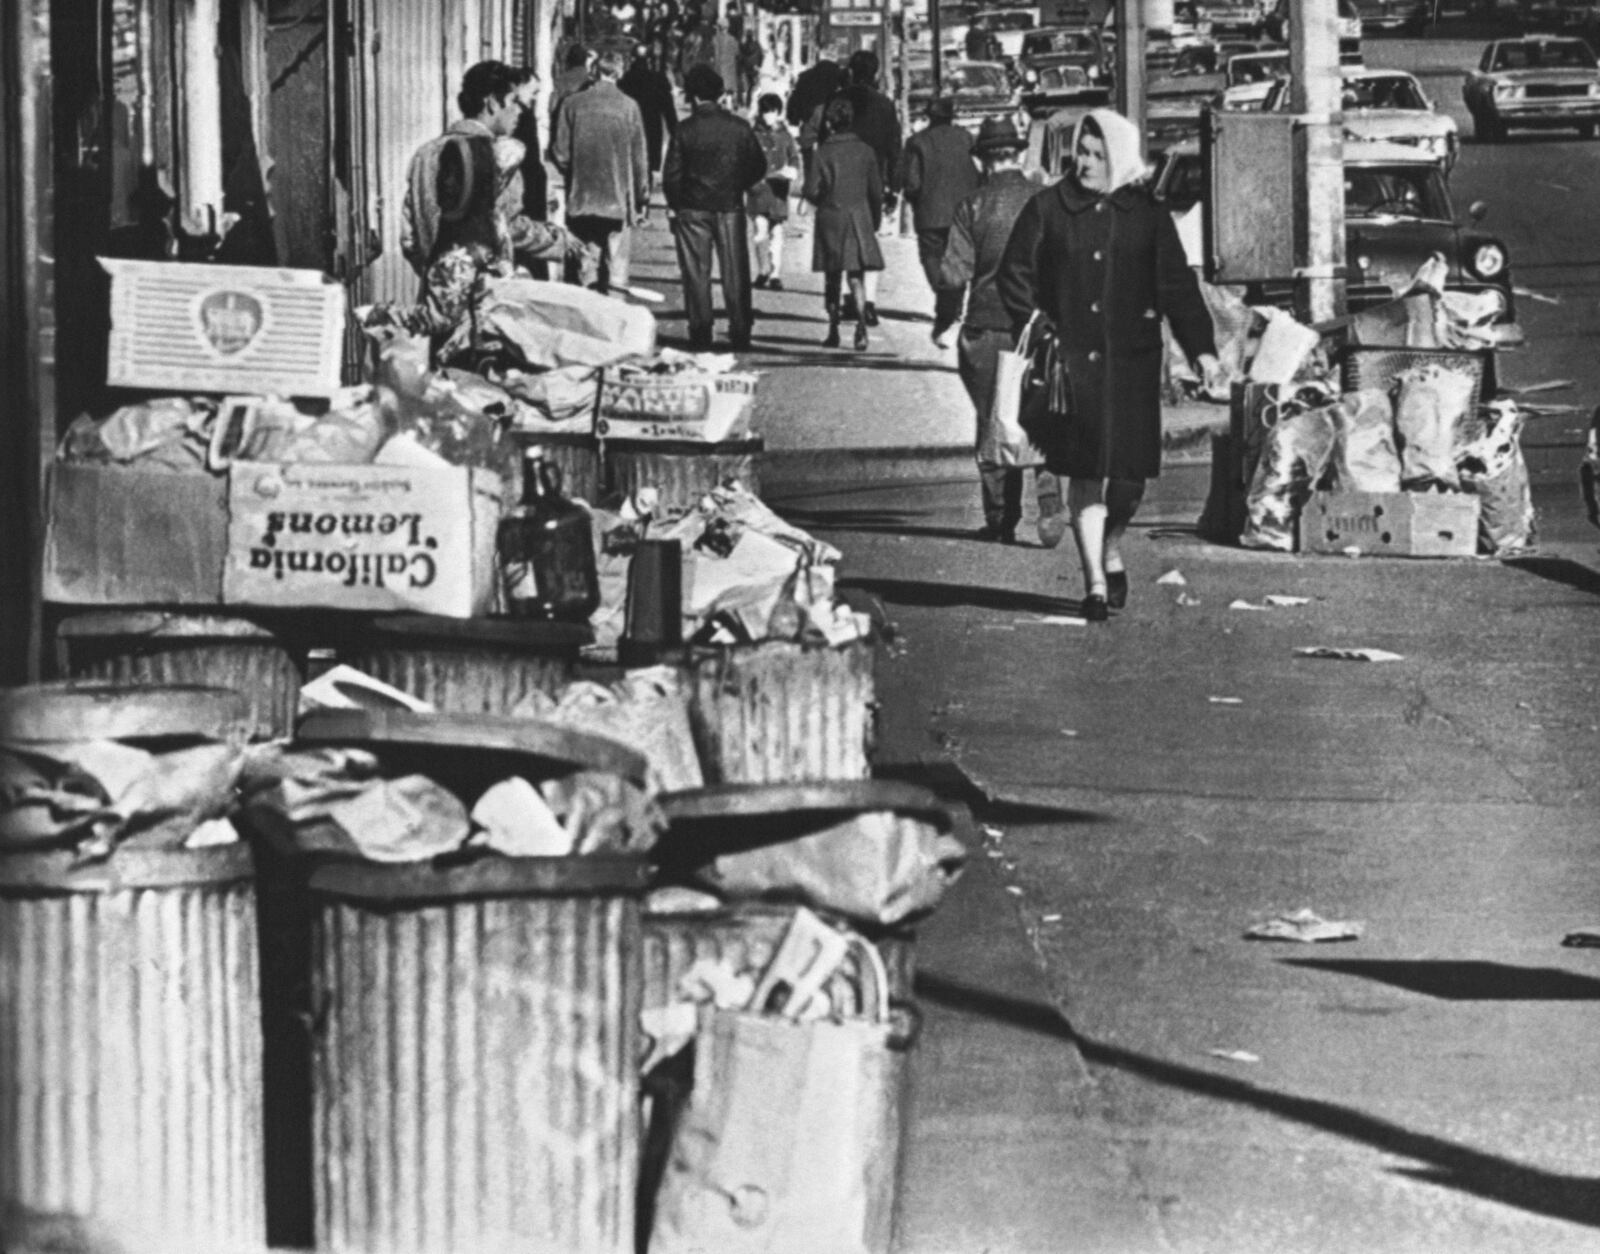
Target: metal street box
{"points": [[1391, 524], [134, 537], [363, 538], [234, 329]]}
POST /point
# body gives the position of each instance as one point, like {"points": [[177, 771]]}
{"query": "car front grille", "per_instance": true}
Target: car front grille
{"points": [[1551, 91]]}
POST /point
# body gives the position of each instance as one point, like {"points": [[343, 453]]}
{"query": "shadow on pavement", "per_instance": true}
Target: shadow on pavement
{"points": [[946, 595], [1575, 1199], [950, 783], [1560, 570], [1453, 980], [884, 522]]}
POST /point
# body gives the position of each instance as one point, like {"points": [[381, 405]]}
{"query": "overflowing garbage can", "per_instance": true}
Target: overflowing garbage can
{"points": [[130, 1030], [682, 471], [475, 1079]]}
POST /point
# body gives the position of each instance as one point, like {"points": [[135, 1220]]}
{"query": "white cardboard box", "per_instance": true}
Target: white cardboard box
{"points": [[1391, 524]]}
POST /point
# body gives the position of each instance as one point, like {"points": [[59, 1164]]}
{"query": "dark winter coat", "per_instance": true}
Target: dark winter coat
{"points": [[939, 174], [978, 238], [813, 89], [877, 123], [846, 185], [714, 159], [770, 197], [1105, 271], [652, 92]]}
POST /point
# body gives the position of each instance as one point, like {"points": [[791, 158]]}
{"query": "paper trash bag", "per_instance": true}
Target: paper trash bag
{"points": [[1005, 443], [789, 1141]]}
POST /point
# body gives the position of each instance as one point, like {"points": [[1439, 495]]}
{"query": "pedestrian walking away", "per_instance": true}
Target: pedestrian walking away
{"points": [[1101, 260], [713, 162], [877, 123], [979, 231], [769, 200], [575, 76], [647, 83], [846, 186], [491, 103], [816, 86], [600, 149], [752, 56], [938, 174]]}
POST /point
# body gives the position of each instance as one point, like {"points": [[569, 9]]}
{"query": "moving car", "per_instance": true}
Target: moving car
{"points": [[1009, 26], [1234, 17], [1388, 106], [1563, 17], [1398, 213], [1062, 45], [1393, 16], [982, 89], [1534, 82], [1248, 78], [1053, 85]]}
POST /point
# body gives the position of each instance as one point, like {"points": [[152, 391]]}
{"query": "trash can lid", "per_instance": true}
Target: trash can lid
{"points": [[474, 731], [88, 710], [687, 448], [519, 634], [581, 875], [856, 796], [63, 871], [159, 624]]}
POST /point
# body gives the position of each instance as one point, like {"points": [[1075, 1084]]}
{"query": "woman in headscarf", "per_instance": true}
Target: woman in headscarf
{"points": [[846, 186], [1102, 262]]}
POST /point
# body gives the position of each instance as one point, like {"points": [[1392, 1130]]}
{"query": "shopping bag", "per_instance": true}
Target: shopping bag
{"points": [[1005, 441], [789, 1141]]}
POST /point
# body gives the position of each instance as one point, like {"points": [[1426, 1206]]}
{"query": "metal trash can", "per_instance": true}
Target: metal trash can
{"points": [[467, 666], [681, 471], [476, 1078], [162, 647], [130, 1053], [782, 712], [576, 455]]}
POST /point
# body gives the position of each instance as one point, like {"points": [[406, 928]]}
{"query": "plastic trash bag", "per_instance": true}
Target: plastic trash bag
{"points": [[1294, 456], [167, 433], [1365, 458], [536, 325], [1493, 468], [1433, 418]]}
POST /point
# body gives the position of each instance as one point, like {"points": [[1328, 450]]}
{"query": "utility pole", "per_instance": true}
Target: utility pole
{"points": [[1315, 96], [1130, 72], [935, 33]]}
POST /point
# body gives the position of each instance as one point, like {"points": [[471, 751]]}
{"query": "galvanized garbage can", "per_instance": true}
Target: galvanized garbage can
{"points": [[130, 1053], [783, 712], [467, 666], [162, 647], [681, 471], [475, 1080]]}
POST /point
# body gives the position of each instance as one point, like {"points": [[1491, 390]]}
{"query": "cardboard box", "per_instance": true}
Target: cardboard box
{"points": [[371, 538], [134, 537], [710, 408], [179, 327], [1391, 524]]}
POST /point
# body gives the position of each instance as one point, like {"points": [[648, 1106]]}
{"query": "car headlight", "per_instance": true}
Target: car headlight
{"points": [[1594, 89], [1487, 260], [1507, 91]]}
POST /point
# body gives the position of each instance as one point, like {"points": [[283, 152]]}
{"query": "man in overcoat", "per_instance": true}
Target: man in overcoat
{"points": [[600, 149], [938, 174], [713, 160]]}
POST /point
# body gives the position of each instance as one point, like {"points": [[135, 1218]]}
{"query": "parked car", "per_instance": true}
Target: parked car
{"points": [[1053, 85], [1563, 17], [1008, 26], [1062, 45], [1391, 17], [1388, 106], [1249, 76], [1398, 213], [1349, 28], [982, 89], [1533, 83], [1234, 17]]}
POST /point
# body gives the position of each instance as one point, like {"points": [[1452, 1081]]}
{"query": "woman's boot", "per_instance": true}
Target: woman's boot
{"points": [[833, 328]]}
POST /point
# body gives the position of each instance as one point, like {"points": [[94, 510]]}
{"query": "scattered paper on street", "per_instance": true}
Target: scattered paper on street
{"points": [[1185, 599], [1279, 601], [1173, 578], [1049, 918], [1226, 700], [1246, 605], [1336, 654], [1306, 927], [1538, 296], [1052, 620], [1234, 1055]]}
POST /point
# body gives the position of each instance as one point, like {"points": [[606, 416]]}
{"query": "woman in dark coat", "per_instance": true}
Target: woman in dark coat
{"points": [[1101, 260], [846, 186]]}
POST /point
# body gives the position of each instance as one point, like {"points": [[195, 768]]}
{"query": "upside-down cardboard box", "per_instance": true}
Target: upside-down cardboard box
{"points": [[363, 537], [1391, 524]]}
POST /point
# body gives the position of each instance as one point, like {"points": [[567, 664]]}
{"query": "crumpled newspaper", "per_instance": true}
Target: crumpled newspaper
{"points": [[1335, 653], [1306, 927], [166, 433], [100, 795]]}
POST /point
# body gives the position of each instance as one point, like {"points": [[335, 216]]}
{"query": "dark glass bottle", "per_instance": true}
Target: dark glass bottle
{"points": [[546, 550]]}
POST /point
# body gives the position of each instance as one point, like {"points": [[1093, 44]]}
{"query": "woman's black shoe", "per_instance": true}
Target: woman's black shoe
{"points": [[833, 337], [871, 315], [1116, 588], [1094, 609], [861, 336]]}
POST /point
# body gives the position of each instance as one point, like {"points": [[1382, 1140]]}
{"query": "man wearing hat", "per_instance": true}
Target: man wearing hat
{"points": [[979, 230], [712, 161], [938, 175]]}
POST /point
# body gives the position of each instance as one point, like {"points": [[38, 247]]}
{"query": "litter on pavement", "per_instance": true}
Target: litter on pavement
{"points": [[1234, 1055], [1279, 601], [1173, 578], [1306, 927], [1246, 605], [1347, 655], [1226, 700]]}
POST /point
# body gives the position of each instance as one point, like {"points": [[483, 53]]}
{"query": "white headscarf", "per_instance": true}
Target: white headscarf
{"points": [[1125, 161]]}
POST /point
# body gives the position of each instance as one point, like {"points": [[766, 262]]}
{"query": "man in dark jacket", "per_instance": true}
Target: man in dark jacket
{"points": [[647, 83], [938, 176], [979, 230], [877, 123], [713, 160]]}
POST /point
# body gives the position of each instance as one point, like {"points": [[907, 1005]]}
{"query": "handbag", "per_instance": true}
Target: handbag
{"points": [[1028, 382]]}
